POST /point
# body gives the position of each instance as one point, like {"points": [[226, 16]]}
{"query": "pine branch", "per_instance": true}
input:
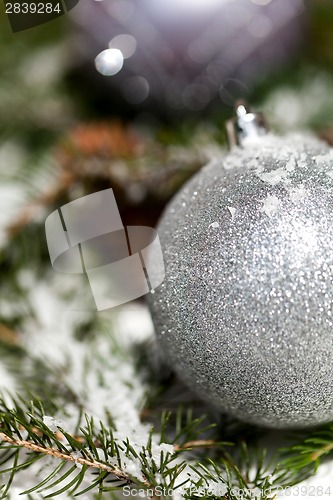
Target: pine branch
{"points": [[90, 444], [20, 443], [201, 443], [302, 459]]}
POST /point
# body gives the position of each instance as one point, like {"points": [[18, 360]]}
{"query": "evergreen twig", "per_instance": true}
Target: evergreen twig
{"points": [[21, 443]]}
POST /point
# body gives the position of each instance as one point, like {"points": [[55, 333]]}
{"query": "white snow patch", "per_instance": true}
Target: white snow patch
{"points": [[292, 149], [291, 165], [76, 455], [325, 159], [102, 373], [7, 384], [275, 176], [255, 165], [133, 323], [271, 205], [167, 448], [52, 423], [297, 194]]}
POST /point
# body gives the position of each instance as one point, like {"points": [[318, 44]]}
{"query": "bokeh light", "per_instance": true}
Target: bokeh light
{"points": [[109, 62]]}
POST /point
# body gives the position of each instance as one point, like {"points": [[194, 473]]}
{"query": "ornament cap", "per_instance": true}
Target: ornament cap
{"points": [[246, 126]]}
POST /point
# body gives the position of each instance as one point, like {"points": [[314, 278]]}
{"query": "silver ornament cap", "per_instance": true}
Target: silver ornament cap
{"points": [[245, 313], [246, 126]]}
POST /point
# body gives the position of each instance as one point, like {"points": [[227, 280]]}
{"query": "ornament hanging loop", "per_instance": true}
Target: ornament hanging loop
{"points": [[246, 126]]}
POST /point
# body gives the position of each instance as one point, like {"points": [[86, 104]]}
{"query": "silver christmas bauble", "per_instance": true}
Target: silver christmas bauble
{"points": [[245, 313]]}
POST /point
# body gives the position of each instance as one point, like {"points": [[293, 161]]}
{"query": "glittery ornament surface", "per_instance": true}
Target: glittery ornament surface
{"points": [[245, 312]]}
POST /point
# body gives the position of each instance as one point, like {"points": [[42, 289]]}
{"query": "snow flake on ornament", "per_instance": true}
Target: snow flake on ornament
{"points": [[297, 194], [323, 160], [270, 205], [232, 211], [276, 176]]}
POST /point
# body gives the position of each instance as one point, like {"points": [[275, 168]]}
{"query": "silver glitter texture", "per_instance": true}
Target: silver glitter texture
{"points": [[245, 312]]}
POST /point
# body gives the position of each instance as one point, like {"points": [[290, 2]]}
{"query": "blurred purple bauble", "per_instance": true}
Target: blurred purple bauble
{"points": [[186, 53]]}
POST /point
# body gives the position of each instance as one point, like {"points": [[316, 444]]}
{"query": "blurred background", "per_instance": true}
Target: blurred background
{"points": [[134, 95]]}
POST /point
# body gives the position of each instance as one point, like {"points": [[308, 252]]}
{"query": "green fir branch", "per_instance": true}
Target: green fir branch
{"points": [[301, 460]]}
